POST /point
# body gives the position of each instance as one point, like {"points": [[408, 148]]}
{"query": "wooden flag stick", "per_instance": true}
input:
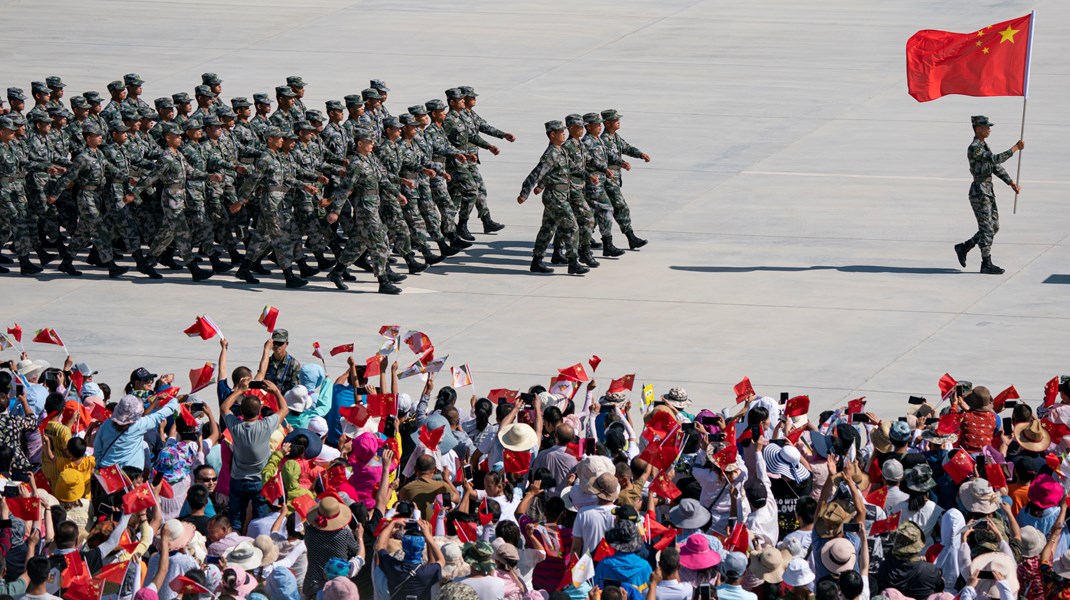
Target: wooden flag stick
{"points": [[1025, 99]]}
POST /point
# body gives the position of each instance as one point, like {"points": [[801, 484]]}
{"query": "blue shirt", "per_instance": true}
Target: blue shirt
{"points": [[36, 394], [734, 592], [624, 567], [124, 448], [343, 395], [1044, 522]]}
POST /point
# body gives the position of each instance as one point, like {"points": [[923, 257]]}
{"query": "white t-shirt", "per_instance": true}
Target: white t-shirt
{"points": [[671, 589], [488, 588], [591, 524]]}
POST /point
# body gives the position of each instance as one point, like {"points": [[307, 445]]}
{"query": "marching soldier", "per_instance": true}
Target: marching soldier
{"points": [[16, 100], [223, 154], [384, 92], [118, 95], [262, 120], [202, 233], [552, 174], [47, 160], [133, 83], [214, 83], [183, 107], [120, 201], [443, 151], [416, 162], [96, 104], [480, 125], [595, 189], [205, 97], [463, 186], [373, 111], [308, 156], [41, 97], [984, 164], [578, 179], [17, 222], [616, 149], [282, 117], [55, 88], [388, 153], [297, 86]]}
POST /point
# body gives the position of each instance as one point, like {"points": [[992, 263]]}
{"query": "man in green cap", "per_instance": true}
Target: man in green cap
{"points": [[364, 179], [616, 149], [119, 200], [80, 109], [248, 142], [222, 154], [183, 107], [262, 119], [282, 117], [480, 124], [55, 86], [165, 108], [552, 174], [388, 152], [373, 103], [269, 184], [88, 174], [202, 231], [134, 84], [205, 98], [297, 86], [48, 159], [578, 179], [118, 94], [17, 221], [311, 230], [172, 171], [96, 107], [416, 163], [384, 93], [595, 188], [16, 100], [984, 164], [443, 150], [214, 83], [41, 96], [463, 186]]}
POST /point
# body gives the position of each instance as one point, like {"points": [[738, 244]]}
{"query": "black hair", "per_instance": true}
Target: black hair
{"points": [[851, 585], [54, 402], [197, 497], [106, 390], [551, 415], [508, 531], [201, 469], [535, 390], [37, 568], [553, 507], [757, 416], [66, 534], [250, 407], [1022, 413], [240, 373], [482, 411], [827, 589], [76, 447], [669, 561], [916, 500], [5, 383], [806, 510], [447, 396], [298, 446]]}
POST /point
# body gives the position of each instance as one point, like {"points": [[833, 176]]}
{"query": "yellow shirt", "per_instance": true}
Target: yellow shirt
{"points": [[83, 466]]}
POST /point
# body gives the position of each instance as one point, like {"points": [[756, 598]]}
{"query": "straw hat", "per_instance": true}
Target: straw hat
{"points": [[268, 548], [329, 515], [996, 562], [179, 534], [838, 555], [1032, 436], [1033, 541], [768, 564], [518, 437]]}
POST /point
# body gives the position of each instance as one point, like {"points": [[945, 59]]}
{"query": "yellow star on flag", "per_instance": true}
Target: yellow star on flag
{"points": [[985, 50], [980, 33], [979, 43], [1008, 34]]}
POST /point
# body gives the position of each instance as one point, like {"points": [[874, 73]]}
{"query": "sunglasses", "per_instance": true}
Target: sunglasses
{"points": [[279, 343], [206, 479]]}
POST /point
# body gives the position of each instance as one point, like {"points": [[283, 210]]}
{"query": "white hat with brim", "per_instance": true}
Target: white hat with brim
{"points": [[298, 399], [179, 534], [29, 367], [244, 555], [518, 437], [1061, 566], [798, 573], [996, 562]]}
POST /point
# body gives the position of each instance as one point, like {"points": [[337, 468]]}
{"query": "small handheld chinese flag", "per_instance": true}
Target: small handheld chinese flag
{"points": [[664, 487], [186, 416], [574, 373], [995, 475], [356, 414], [959, 465], [658, 427], [273, 490], [603, 551], [947, 385], [499, 395], [203, 328], [373, 366], [462, 376], [744, 390], [316, 352], [878, 497], [27, 509], [47, 336], [431, 438], [114, 572], [302, 504], [517, 462], [885, 525], [594, 361], [738, 539], [1001, 399], [949, 423], [856, 406], [1051, 392], [201, 378], [621, 385], [15, 332], [138, 498], [382, 405], [417, 341], [466, 531], [83, 588], [992, 61], [268, 317], [797, 406], [341, 349], [111, 478]]}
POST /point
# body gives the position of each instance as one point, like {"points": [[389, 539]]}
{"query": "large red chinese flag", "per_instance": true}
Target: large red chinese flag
{"points": [[992, 61]]}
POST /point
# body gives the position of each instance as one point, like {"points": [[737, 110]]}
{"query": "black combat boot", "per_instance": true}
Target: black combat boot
{"points": [[394, 277], [415, 267], [235, 256], [218, 266], [93, 259], [245, 272], [67, 263], [43, 256], [362, 263], [146, 264], [575, 268], [595, 244], [323, 263], [588, 259], [346, 275], [336, 276], [490, 225], [167, 259], [259, 268], [460, 243], [537, 266], [4, 260], [431, 258], [115, 270], [608, 249], [387, 287], [28, 268], [306, 269], [557, 258], [197, 272], [961, 250], [634, 242], [463, 233], [446, 249], [293, 281], [988, 268]]}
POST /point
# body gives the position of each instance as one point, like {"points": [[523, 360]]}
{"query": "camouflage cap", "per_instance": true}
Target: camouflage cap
{"points": [[371, 94], [58, 112], [129, 113], [117, 126], [90, 128], [262, 98], [295, 81], [79, 102], [210, 79], [273, 131], [574, 119], [17, 119], [116, 86], [555, 125], [611, 114], [15, 93], [417, 109], [391, 123], [407, 120], [981, 121], [239, 102], [225, 112], [171, 129], [203, 90], [454, 94], [7, 123], [181, 98], [55, 82], [592, 118], [303, 125], [148, 113], [314, 115], [212, 121], [39, 87], [133, 79], [379, 85], [39, 116], [436, 104], [468, 91], [289, 135], [193, 123], [285, 91], [363, 134], [334, 105], [93, 96], [163, 102]]}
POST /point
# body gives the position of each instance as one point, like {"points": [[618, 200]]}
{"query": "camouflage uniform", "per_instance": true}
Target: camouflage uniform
{"points": [[120, 215], [415, 157], [463, 186], [442, 151], [388, 157], [616, 149], [552, 173], [16, 219], [222, 157], [984, 164], [171, 171], [283, 118], [309, 159], [89, 173], [202, 234], [44, 152], [578, 179], [595, 155], [480, 125], [363, 181], [270, 183]]}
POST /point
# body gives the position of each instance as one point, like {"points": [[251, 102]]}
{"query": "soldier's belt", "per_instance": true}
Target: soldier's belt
{"points": [[90, 188], [438, 159], [558, 187], [134, 172], [11, 179], [278, 188], [985, 180], [247, 161], [176, 187]]}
